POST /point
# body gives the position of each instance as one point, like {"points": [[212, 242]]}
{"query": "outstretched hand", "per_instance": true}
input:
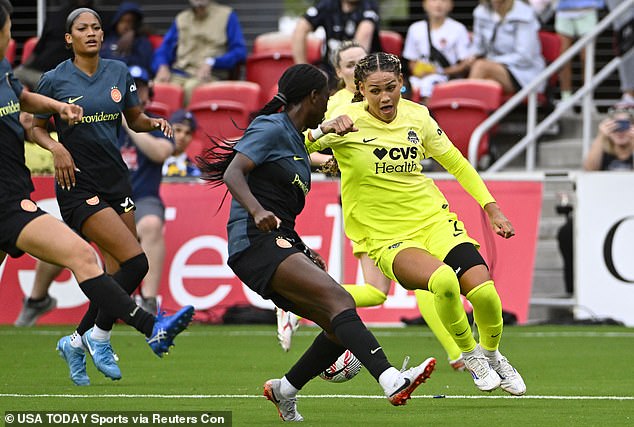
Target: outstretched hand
{"points": [[499, 222]]}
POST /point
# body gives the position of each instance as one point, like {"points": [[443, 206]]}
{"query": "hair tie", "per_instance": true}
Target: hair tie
{"points": [[281, 97]]}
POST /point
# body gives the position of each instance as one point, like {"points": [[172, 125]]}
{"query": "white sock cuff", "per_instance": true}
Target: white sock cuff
{"points": [[99, 334]]}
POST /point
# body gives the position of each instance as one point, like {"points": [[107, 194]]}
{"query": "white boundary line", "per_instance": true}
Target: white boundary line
{"points": [[311, 331], [314, 396]]}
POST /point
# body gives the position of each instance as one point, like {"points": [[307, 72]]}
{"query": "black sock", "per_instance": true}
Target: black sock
{"points": [[108, 295], [353, 334], [320, 355], [34, 301], [89, 318], [129, 277]]}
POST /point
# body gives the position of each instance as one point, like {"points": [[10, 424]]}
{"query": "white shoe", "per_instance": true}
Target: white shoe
{"points": [[286, 407], [287, 324], [512, 381], [484, 377], [409, 380]]}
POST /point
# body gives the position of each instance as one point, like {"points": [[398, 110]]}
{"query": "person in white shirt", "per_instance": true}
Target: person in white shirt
{"points": [[436, 48]]}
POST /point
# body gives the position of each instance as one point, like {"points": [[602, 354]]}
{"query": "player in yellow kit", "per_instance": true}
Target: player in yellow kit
{"points": [[404, 221], [377, 285]]}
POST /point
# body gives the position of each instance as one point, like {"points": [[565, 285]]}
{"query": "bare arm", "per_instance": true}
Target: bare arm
{"points": [[235, 180], [35, 103], [156, 149], [300, 35], [364, 34], [138, 121], [62, 160], [592, 162]]}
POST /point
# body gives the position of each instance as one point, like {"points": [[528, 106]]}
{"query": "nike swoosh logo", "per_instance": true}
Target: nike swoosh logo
{"points": [[368, 139], [458, 270], [462, 333], [134, 311], [275, 399], [90, 349], [403, 387], [496, 335], [375, 350], [457, 234], [73, 100], [127, 205], [297, 158]]}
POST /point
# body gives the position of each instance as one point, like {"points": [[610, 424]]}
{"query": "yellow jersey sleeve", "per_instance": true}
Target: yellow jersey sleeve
{"points": [[467, 176]]}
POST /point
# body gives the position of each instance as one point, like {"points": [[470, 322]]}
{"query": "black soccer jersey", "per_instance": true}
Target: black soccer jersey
{"points": [[15, 179], [103, 96], [280, 181], [340, 26]]}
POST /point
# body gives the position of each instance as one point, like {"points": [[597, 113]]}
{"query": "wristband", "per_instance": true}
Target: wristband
{"points": [[315, 134]]}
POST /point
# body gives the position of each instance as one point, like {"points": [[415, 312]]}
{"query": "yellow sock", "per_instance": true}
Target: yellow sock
{"points": [[487, 312], [365, 295], [427, 309], [443, 283]]}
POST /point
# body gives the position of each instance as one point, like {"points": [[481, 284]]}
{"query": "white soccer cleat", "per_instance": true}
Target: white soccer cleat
{"points": [[512, 381], [287, 324], [484, 377], [286, 406], [409, 380]]}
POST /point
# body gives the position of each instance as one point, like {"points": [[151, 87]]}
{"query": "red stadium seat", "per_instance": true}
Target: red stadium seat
{"points": [[27, 49], [247, 93], [459, 106], [265, 69], [282, 43], [159, 109], [391, 42], [155, 40], [169, 94], [219, 119], [10, 52]]}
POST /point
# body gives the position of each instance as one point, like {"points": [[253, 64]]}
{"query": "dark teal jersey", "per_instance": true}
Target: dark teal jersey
{"points": [[280, 180], [103, 96], [15, 179]]}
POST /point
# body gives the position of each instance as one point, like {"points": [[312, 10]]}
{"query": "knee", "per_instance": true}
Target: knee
{"points": [[444, 283], [136, 266], [150, 228]]}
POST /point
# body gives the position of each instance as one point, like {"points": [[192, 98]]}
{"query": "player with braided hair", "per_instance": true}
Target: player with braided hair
{"points": [[412, 235], [268, 174], [374, 291]]}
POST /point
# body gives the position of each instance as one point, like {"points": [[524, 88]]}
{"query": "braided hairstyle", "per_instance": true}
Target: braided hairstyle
{"points": [[379, 61], [297, 82]]}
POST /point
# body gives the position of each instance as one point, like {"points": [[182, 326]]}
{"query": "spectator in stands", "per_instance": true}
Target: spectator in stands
{"points": [[436, 48], [611, 150], [204, 43], [179, 163], [624, 31], [574, 19], [356, 20], [125, 40], [50, 49], [506, 44]]}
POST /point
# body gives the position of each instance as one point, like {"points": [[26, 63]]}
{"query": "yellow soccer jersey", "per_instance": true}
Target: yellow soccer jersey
{"points": [[336, 100], [384, 192]]}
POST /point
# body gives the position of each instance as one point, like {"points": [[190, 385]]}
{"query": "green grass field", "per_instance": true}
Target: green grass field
{"points": [[575, 376]]}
